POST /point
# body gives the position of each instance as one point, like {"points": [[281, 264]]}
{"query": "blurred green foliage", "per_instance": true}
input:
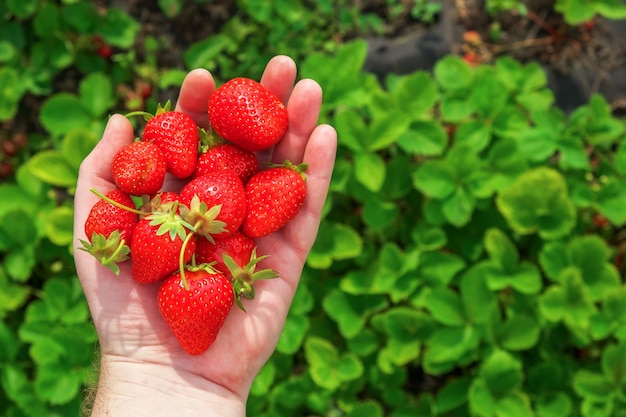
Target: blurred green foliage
{"points": [[470, 260]]}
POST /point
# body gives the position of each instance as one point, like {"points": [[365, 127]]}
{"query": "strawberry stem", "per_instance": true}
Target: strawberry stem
{"points": [[181, 260], [116, 204]]}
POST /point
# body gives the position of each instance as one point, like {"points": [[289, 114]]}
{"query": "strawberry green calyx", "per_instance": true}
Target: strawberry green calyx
{"points": [[170, 222], [202, 218], [110, 251], [243, 278], [299, 168], [147, 116]]}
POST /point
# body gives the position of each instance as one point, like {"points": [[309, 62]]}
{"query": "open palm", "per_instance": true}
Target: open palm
{"points": [[131, 330]]}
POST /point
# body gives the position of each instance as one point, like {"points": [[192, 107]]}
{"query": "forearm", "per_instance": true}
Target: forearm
{"points": [[128, 389]]}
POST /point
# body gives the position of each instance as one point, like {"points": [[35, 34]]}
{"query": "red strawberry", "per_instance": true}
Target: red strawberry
{"points": [[274, 196], [158, 240], [109, 229], [139, 168], [242, 111], [238, 246], [219, 207], [228, 156], [195, 306], [178, 136]]}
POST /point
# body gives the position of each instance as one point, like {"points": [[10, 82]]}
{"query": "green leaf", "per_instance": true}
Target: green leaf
{"points": [[502, 373], [458, 207], [614, 363], [516, 404], [481, 402], [479, 301], [593, 386], [429, 238], [96, 94], [11, 92], [591, 254], [445, 306], [435, 179], [449, 344], [59, 226], [385, 130], [509, 122], [519, 333], [424, 138], [292, 336], [473, 134], [415, 93], [439, 268], [366, 409], [327, 368], [12, 297], [63, 112], [370, 170], [537, 202], [76, 145], [453, 73], [52, 168], [22, 8], [335, 241], [555, 405], [118, 28], [453, 394], [55, 384], [501, 250], [350, 311], [488, 94]]}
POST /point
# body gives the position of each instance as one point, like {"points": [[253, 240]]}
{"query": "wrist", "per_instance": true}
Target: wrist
{"points": [[134, 389]]}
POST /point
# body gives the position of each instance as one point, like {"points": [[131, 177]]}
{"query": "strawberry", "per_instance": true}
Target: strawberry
{"points": [[238, 246], [228, 156], [195, 306], [156, 245], [109, 229], [139, 168], [274, 196], [243, 112], [178, 136], [214, 204]]}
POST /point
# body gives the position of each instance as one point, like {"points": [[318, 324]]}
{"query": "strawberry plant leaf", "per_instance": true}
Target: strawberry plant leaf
{"points": [[516, 404], [59, 225], [473, 134], [488, 94], [519, 333], [554, 405], [293, 334], [458, 207], [366, 409], [502, 373], [22, 9], [479, 302], [63, 112], [343, 243], [453, 394], [415, 93], [452, 73], [538, 203], [76, 145], [379, 215], [509, 122], [445, 306], [96, 94], [435, 179], [455, 109], [350, 312], [423, 138], [610, 201], [370, 170], [327, 368], [12, 297], [11, 92], [51, 167], [118, 28], [439, 268], [447, 345], [593, 386]]}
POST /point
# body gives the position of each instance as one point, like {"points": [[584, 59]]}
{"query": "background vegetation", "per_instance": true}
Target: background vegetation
{"points": [[470, 262]]}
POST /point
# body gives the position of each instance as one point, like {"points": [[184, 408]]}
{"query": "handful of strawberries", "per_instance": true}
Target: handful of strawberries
{"points": [[198, 243]]}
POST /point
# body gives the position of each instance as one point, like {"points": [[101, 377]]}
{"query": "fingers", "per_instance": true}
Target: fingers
{"points": [[95, 170], [194, 96], [303, 109], [279, 76]]}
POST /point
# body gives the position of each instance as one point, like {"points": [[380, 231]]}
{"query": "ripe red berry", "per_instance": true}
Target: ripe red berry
{"points": [[243, 112], [196, 307], [228, 156], [274, 197], [220, 206], [139, 168], [177, 135]]}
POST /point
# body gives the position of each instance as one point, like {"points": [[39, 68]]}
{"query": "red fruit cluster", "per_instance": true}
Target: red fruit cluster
{"points": [[198, 244]]}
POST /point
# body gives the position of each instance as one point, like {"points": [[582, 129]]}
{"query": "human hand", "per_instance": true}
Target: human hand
{"points": [[143, 370]]}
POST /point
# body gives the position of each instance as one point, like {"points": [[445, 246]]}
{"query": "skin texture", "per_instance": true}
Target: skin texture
{"points": [[143, 371]]}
